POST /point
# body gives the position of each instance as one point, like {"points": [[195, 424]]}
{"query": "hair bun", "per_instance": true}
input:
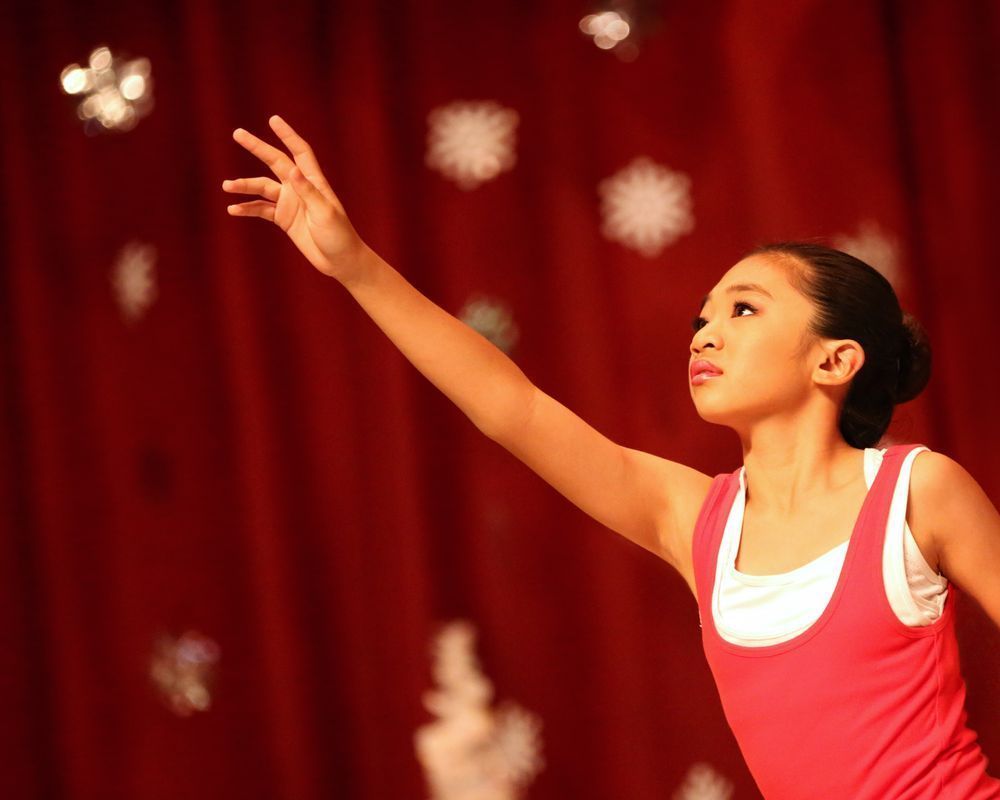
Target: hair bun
{"points": [[914, 359]]}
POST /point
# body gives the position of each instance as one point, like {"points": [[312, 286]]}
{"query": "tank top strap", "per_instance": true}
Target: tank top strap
{"points": [[865, 551], [708, 530]]}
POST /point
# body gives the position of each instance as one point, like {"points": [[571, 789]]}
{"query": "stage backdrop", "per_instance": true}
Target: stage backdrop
{"points": [[235, 519]]}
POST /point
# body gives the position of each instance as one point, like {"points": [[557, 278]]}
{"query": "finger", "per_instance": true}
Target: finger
{"points": [[278, 161], [299, 148], [316, 203], [267, 188], [253, 208], [302, 153]]}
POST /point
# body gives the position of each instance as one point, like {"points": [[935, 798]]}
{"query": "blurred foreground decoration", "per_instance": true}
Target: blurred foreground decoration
{"points": [[472, 752], [183, 668], [114, 93], [617, 25], [492, 319], [134, 280], [646, 206], [703, 782], [471, 142], [876, 248]]}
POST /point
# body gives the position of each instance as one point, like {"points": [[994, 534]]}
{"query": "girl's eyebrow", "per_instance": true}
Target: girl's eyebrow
{"points": [[739, 287]]}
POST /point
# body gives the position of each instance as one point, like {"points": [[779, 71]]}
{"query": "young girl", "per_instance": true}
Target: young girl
{"points": [[825, 570]]}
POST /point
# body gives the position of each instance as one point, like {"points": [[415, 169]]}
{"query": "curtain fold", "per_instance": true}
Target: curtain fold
{"points": [[251, 459]]}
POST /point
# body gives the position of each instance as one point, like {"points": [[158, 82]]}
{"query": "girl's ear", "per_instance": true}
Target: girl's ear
{"points": [[844, 357]]}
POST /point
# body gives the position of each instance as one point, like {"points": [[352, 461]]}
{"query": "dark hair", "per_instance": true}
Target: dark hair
{"points": [[855, 301]]}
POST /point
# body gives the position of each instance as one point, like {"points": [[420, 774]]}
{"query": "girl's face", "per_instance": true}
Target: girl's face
{"points": [[753, 327]]}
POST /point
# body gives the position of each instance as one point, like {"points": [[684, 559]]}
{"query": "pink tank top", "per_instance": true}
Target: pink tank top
{"points": [[859, 705]]}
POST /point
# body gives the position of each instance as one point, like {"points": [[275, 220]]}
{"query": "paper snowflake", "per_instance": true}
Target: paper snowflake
{"points": [[133, 279], [114, 93], [473, 752], [646, 206], [702, 782], [876, 248], [471, 142], [491, 319]]}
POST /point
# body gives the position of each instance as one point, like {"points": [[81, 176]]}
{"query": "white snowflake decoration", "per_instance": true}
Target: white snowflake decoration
{"points": [[471, 142], [702, 782], [874, 247], [471, 752], [492, 319], [646, 206], [115, 94], [133, 279]]}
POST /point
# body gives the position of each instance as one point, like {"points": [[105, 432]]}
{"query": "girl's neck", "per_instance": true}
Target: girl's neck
{"points": [[785, 477]]}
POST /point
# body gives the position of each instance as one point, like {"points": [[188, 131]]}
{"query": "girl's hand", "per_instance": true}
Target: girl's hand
{"points": [[300, 202]]}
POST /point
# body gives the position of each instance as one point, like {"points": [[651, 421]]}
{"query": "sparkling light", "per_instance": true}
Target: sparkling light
{"points": [[74, 79], [608, 28], [611, 29], [115, 94], [100, 59], [646, 206], [471, 142], [132, 87]]}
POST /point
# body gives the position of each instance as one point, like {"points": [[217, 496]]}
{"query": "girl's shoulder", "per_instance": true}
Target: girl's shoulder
{"points": [[934, 477], [950, 506]]}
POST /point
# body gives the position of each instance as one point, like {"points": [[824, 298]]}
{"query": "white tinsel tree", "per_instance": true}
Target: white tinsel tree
{"points": [[473, 752]]}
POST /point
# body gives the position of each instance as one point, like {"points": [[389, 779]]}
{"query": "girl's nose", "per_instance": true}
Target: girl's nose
{"points": [[702, 340]]}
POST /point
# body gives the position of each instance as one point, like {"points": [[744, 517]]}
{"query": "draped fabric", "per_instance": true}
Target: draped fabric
{"points": [[253, 459]]}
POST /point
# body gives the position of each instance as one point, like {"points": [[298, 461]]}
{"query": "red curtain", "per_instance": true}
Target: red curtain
{"points": [[253, 460]]}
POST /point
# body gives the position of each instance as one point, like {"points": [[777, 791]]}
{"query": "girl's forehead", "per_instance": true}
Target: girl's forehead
{"points": [[765, 267], [760, 270]]}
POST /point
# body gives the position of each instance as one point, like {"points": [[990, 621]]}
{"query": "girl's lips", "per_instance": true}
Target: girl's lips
{"points": [[703, 377], [703, 367]]}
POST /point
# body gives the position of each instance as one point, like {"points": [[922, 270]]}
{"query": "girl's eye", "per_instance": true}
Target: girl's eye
{"points": [[699, 322]]}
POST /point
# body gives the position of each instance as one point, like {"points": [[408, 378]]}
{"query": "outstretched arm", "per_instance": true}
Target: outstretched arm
{"points": [[647, 499]]}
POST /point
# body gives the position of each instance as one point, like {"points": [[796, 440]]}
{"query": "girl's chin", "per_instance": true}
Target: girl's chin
{"points": [[716, 412]]}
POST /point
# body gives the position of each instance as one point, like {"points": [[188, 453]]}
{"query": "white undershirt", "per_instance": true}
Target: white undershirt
{"points": [[758, 610]]}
